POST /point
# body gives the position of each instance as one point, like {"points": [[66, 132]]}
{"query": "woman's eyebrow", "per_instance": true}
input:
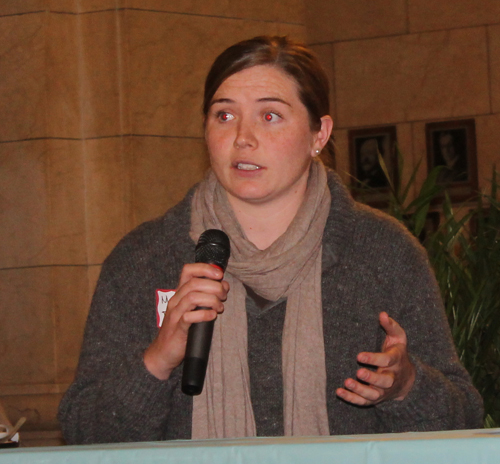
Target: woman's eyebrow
{"points": [[221, 100], [259, 100], [273, 99]]}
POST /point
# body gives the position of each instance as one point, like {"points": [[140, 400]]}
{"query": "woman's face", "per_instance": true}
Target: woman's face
{"points": [[258, 137]]}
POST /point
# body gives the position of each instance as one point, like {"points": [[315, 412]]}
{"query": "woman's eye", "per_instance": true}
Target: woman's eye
{"points": [[224, 116], [271, 117]]}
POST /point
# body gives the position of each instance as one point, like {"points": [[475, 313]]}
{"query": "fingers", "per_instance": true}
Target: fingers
{"points": [[186, 315], [200, 286], [371, 390], [394, 376], [392, 328], [202, 293], [387, 358], [199, 270], [357, 393], [379, 379]]}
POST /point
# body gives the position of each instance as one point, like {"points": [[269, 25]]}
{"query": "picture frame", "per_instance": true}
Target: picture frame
{"points": [[369, 182], [452, 144]]}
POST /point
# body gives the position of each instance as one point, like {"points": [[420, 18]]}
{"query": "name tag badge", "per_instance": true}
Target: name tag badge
{"points": [[162, 299]]}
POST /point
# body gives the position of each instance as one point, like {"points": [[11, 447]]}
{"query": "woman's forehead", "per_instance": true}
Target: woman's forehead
{"points": [[261, 81]]}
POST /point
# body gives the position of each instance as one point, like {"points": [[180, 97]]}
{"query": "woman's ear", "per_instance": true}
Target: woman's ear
{"points": [[323, 135]]}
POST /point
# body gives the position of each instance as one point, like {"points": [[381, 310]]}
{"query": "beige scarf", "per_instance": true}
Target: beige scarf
{"points": [[290, 267]]}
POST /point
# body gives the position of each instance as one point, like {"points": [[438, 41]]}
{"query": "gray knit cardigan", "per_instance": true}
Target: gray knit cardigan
{"points": [[370, 264]]}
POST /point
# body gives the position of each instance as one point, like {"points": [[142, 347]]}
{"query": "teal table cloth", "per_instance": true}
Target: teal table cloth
{"points": [[454, 447]]}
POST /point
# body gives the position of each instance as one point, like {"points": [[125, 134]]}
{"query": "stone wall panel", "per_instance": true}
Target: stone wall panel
{"points": [[413, 77]]}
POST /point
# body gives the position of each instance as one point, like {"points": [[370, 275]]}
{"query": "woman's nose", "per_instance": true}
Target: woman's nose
{"points": [[245, 136]]}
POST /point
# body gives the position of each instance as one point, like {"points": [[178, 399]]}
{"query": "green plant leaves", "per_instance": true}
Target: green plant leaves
{"points": [[465, 254]]}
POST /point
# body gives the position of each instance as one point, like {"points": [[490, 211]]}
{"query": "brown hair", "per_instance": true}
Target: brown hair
{"points": [[293, 58]]}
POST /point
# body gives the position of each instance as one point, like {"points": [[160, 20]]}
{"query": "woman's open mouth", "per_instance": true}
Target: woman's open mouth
{"points": [[247, 167]]}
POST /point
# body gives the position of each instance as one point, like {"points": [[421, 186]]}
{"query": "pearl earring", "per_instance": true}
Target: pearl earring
{"points": [[318, 151]]}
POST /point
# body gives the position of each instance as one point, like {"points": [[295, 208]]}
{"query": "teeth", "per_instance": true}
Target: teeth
{"points": [[247, 167]]}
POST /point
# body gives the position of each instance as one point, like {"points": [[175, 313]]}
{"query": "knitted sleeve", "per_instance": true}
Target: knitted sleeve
{"points": [[114, 398], [442, 397]]}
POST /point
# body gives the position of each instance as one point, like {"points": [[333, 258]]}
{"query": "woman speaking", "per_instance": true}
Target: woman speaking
{"points": [[329, 319]]}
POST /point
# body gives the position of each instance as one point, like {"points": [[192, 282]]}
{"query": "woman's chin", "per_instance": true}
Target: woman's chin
{"points": [[250, 196]]}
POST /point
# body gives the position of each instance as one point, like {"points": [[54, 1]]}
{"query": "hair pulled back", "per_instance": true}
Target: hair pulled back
{"points": [[292, 58]]}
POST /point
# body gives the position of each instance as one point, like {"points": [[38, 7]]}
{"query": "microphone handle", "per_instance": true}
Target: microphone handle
{"points": [[213, 248], [196, 360]]}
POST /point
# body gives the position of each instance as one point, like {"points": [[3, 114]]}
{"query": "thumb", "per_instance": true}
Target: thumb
{"points": [[395, 333]]}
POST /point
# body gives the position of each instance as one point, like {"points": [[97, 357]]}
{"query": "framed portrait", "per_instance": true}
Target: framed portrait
{"points": [[452, 144], [370, 184]]}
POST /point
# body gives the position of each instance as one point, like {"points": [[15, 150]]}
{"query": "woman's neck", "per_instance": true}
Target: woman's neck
{"points": [[264, 223]]}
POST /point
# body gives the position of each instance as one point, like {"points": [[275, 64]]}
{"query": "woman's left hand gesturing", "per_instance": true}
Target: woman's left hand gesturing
{"points": [[394, 376]]}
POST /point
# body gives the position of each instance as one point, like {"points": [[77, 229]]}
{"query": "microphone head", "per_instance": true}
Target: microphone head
{"points": [[213, 248]]}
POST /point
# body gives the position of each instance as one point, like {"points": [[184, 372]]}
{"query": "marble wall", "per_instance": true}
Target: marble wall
{"points": [[101, 130], [409, 62]]}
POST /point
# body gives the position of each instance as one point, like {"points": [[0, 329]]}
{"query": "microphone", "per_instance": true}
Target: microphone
{"points": [[212, 248]]}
